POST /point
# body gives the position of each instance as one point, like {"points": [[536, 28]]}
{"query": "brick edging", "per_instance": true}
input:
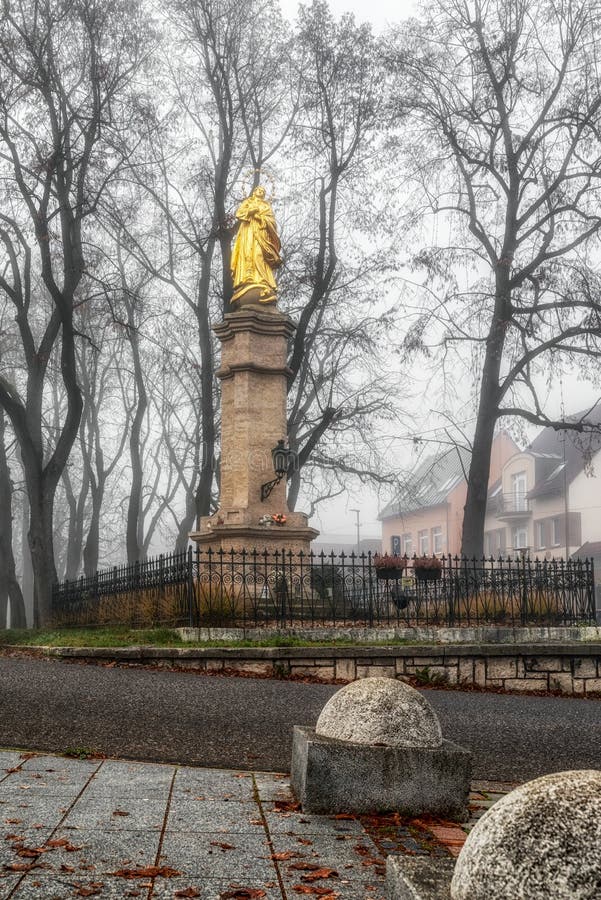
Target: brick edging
{"points": [[568, 668]]}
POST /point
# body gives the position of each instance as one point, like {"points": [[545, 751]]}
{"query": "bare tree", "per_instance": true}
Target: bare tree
{"points": [[335, 384], [65, 75], [501, 101]]}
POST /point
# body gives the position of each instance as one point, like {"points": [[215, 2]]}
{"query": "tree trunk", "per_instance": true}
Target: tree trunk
{"points": [[10, 590], [474, 511], [91, 548], [134, 508]]}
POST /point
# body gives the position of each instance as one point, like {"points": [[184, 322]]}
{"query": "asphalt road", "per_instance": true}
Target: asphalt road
{"points": [[247, 723]]}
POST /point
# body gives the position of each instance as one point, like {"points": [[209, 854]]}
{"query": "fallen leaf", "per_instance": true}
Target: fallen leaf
{"points": [[285, 854], [31, 852], [305, 866], [21, 867], [305, 841], [222, 846], [14, 821], [187, 892], [14, 837], [343, 816], [66, 868], [320, 873], [120, 812], [314, 889], [286, 805], [89, 890], [65, 843], [242, 894], [147, 872]]}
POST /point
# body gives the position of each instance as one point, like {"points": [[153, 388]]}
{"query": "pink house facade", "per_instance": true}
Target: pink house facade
{"points": [[427, 518]]}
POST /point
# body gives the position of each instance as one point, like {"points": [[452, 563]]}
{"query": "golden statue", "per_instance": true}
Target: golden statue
{"points": [[256, 251]]}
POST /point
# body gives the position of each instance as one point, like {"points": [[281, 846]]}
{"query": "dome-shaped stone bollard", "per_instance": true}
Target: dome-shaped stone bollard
{"points": [[541, 841], [378, 746]]}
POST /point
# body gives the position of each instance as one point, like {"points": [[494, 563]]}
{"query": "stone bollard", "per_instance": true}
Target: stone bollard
{"points": [[378, 746], [541, 841]]}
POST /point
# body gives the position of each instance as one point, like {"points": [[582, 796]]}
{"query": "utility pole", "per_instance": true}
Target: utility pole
{"points": [[356, 511]]}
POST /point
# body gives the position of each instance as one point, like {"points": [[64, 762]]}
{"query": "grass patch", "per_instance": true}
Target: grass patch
{"points": [[121, 636], [91, 637]]}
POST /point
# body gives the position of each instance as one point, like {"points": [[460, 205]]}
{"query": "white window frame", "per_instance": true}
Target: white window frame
{"points": [[407, 544], [556, 531], [515, 532], [539, 535], [437, 539], [423, 542], [519, 490]]}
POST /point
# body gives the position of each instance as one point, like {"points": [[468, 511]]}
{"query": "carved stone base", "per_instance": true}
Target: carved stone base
{"points": [[295, 535]]}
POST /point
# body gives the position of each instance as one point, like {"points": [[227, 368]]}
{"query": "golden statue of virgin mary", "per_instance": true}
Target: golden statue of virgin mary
{"points": [[256, 251]]}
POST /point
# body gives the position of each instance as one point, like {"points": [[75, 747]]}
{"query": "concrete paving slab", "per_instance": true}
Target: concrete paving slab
{"points": [[47, 763], [116, 774], [46, 810], [7, 884], [45, 783], [9, 759], [214, 784], [118, 814], [47, 887], [354, 860], [197, 855], [232, 817], [212, 889], [104, 850], [283, 820], [273, 787]]}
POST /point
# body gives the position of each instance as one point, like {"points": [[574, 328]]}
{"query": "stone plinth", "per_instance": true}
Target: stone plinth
{"points": [[377, 747], [254, 377], [333, 776]]}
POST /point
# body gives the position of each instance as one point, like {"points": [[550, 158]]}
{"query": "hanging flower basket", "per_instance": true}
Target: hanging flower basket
{"points": [[427, 568], [389, 567]]}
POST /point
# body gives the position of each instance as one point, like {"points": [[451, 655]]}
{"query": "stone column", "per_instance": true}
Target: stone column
{"points": [[253, 377]]}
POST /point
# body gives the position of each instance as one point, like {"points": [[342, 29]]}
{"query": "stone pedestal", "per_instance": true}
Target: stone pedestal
{"points": [[254, 378], [332, 776]]}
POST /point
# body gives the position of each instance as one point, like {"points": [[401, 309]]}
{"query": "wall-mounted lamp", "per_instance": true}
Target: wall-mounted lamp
{"points": [[283, 460]]}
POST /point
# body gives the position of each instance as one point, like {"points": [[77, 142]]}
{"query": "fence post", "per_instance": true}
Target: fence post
{"points": [[190, 588]]}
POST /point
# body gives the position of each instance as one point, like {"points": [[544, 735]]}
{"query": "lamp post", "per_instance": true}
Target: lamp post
{"points": [[283, 458], [356, 511]]}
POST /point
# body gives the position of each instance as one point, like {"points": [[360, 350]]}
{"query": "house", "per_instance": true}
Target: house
{"points": [[547, 499], [427, 516]]}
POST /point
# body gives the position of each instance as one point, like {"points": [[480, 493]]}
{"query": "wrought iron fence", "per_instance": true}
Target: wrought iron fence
{"points": [[281, 588]]}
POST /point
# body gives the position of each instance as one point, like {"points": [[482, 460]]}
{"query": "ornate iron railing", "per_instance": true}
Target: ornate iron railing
{"points": [[281, 588]]}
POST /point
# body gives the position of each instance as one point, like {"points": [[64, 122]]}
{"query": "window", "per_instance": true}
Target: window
{"points": [[437, 539], [494, 542], [423, 542], [539, 535], [518, 491], [520, 538], [407, 544], [556, 532]]}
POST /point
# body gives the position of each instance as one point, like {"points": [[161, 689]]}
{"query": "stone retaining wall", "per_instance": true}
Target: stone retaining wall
{"points": [[572, 669]]}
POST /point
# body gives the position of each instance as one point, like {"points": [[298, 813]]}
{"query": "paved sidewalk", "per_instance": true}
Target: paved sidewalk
{"points": [[109, 828], [112, 828]]}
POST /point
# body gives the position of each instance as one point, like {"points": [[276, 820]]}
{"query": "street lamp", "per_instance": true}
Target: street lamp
{"points": [[283, 459]]}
